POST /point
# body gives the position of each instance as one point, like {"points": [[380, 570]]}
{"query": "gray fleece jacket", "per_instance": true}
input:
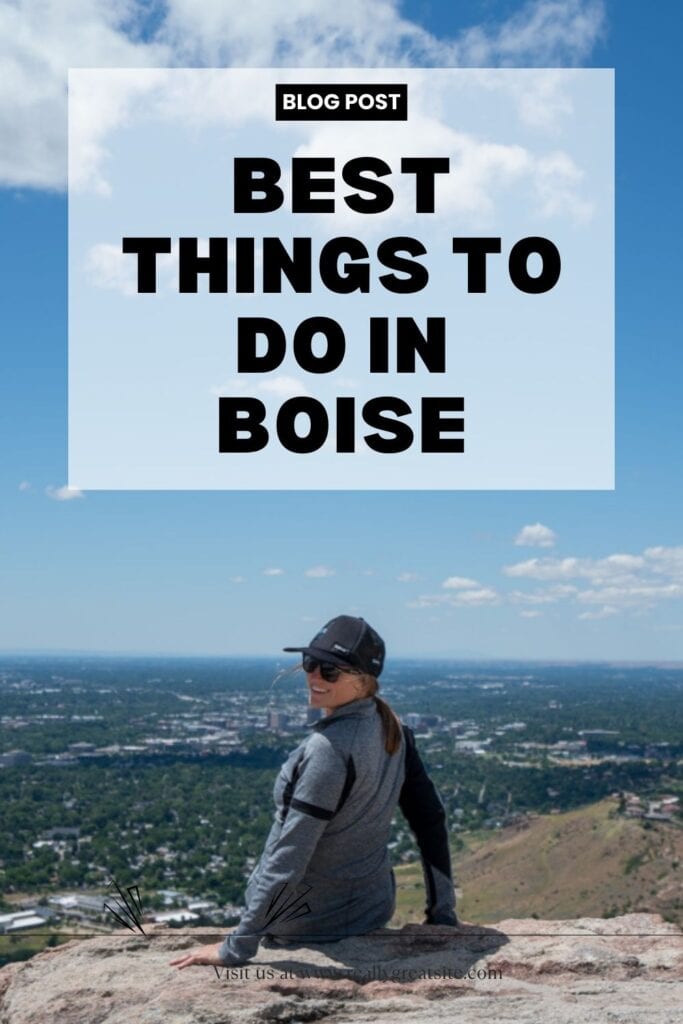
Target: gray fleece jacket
{"points": [[325, 871]]}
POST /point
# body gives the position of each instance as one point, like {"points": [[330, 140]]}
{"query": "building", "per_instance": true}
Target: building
{"points": [[78, 903], [277, 719], [13, 758], [171, 896], [21, 920], [63, 832], [179, 916]]}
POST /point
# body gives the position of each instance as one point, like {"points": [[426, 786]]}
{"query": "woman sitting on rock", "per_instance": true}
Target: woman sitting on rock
{"points": [[325, 871]]}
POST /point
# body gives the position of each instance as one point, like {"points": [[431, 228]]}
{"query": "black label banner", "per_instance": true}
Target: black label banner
{"points": [[377, 102]]}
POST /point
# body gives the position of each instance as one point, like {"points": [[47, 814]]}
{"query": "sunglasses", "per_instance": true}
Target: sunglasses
{"points": [[329, 672]]}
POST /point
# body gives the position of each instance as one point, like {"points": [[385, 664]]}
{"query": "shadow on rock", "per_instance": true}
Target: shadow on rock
{"points": [[398, 955]]}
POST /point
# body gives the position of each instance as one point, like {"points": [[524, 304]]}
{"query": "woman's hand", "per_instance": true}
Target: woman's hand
{"points": [[202, 955]]}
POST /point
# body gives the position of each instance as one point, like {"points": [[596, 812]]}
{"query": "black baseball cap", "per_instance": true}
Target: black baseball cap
{"points": [[347, 642]]}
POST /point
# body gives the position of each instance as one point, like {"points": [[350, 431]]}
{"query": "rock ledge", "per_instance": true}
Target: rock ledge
{"points": [[622, 971]]}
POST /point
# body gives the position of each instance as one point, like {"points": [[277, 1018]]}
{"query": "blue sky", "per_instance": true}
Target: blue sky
{"points": [[594, 574]]}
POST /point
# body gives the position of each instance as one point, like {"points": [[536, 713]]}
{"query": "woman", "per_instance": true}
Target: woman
{"points": [[325, 871]]}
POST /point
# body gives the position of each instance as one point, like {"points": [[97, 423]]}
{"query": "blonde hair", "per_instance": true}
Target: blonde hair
{"points": [[390, 722]]}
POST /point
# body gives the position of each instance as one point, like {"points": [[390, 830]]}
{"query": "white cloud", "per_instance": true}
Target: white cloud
{"points": [[283, 387], [620, 563], [108, 267], [459, 583], [536, 536], [319, 572], [474, 596], [461, 592], [273, 572], [97, 107], [542, 100], [64, 493], [40, 39], [231, 385], [668, 561], [407, 577], [482, 595], [308, 33], [621, 581], [547, 33], [480, 169], [316, 33], [596, 588], [25, 485], [605, 612], [237, 579], [550, 595], [557, 180], [594, 569], [635, 596]]}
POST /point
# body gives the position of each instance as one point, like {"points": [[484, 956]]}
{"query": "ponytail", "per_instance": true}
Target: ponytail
{"points": [[390, 723]]}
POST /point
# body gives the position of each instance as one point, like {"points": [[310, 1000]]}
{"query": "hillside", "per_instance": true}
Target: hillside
{"points": [[589, 862]]}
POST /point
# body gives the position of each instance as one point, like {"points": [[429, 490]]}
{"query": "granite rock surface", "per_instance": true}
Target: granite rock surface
{"points": [[618, 971]]}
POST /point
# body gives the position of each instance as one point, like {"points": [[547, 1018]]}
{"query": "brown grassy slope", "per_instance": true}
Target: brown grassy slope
{"points": [[589, 862]]}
